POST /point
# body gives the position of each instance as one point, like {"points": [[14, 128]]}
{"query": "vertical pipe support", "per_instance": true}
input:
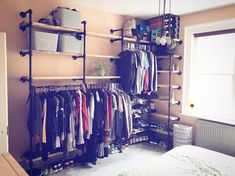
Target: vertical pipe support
{"points": [[84, 52]]}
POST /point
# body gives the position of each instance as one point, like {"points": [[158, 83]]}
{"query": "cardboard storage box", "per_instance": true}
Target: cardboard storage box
{"points": [[10, 167], [44, 41], [68, 18], [70, 44]]}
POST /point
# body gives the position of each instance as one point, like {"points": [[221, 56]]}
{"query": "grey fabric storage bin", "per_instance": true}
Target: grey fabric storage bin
{"points": [[44, 41], [68, 18], [70, 44]]}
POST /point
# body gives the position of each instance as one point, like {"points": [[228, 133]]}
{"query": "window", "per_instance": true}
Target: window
{"points": [[209, 76]]}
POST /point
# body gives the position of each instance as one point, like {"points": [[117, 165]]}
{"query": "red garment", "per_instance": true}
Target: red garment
{"points": [[84, 114], [146, 80]]}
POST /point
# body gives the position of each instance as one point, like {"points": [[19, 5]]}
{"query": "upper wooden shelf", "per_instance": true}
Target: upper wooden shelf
{"points": [[54, 28]]}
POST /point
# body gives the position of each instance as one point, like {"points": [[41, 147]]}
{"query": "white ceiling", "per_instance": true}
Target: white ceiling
{"points": [[149, 8]]}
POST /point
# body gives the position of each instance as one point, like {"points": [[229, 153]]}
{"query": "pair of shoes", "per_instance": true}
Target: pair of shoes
{"points": [[68, 164]]}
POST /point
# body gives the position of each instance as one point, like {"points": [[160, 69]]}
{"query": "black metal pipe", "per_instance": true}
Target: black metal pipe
{"points": [[169, 101], [77, 57], [23, 14], [24, 79], [24, 26], [57, 86], [114, 40], [115, 30], [24, 53], [122, 41], [30, 87], [84, 52]]}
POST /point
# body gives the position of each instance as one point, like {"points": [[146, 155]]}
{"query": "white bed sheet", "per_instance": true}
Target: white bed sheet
{"points": [[187, 161]]}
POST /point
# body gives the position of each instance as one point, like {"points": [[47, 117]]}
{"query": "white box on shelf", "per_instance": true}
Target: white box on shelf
{"points": [[44, 41], [70, 44], [68, 18]]}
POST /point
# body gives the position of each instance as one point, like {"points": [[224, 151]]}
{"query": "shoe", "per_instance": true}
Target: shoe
{"points": [[59, 167], [55, 169], [66, 165], [71, 163], [45, 172]]}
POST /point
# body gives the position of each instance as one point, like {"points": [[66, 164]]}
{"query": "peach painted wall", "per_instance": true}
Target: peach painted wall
{"points": [[44, 65]]}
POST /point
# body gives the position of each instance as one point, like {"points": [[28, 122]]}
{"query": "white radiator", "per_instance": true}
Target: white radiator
{"points": [[216, 136]]}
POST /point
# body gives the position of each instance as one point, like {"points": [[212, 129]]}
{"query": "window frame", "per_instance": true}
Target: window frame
{"points": [[189, 56]]}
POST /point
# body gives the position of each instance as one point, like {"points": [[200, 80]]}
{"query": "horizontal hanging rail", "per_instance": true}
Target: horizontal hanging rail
{"points": [[168, 57], [167, 71], [74, 78]]}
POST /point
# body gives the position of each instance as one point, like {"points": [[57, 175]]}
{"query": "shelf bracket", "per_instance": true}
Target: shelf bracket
{"points": [[77, 79], [179, 73], [114, 40], [24, 79], [23, 26], [115, 30], [114, 59], [180, 58], [178, 103], [77, 57], [24, 53]]}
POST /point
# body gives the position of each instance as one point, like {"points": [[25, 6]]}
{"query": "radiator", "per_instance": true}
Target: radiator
{"points": [[215, 136]]}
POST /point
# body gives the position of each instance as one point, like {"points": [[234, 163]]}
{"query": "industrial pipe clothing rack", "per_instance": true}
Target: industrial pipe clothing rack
{"points": [[170, 72], [30, 51]]}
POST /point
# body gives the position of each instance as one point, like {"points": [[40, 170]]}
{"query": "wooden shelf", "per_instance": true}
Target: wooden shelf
{"points": [[167, 86], [127, 39], [54, 28], [103, 77], [173, 118], [100, 35], [141, 130], [102, 56], [56, 53], [168, 57], [74, 54], [166, 101]]}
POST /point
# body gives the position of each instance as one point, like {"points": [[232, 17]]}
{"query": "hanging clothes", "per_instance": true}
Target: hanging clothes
{"points": [[138, 70], [66, 120]]}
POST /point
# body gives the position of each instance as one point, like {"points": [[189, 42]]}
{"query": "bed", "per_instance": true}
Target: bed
{"points": [[187, 161]]}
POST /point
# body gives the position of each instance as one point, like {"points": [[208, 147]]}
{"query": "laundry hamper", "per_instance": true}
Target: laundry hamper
{"points": [[182, 135]]}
